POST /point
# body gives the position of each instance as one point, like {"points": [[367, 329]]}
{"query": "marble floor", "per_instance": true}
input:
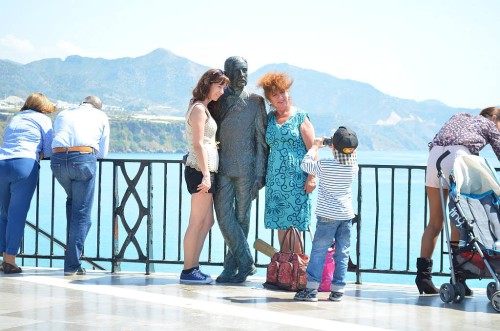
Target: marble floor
{"points": [[43, 299]]}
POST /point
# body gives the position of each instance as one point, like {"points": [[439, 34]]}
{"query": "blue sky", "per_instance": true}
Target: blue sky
{"points": [[448, 50]]}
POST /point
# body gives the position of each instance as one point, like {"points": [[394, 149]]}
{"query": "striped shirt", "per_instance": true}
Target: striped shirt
{"points": [[334, 189]]}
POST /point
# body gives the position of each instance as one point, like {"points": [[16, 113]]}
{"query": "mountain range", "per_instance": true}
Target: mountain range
{"points": [[161, 82]]}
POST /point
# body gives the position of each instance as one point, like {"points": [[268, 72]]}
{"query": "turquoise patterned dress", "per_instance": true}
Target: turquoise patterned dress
{"points": [[287, 203]]}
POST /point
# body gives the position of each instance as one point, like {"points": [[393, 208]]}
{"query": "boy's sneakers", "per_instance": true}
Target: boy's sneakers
{"points": [[195, 277], [307, 294], [336, 296]]}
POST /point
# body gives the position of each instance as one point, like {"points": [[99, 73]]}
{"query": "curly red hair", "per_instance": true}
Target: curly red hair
{"points": [[274, 82]]}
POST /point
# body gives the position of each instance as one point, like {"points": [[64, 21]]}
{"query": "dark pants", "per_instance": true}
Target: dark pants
{"points": [[233, 204]]}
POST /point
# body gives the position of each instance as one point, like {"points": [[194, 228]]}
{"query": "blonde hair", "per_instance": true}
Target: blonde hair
{"points": [[38, 102]]}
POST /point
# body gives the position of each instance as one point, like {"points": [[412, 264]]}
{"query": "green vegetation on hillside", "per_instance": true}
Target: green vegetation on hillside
{"points": [[142, 136]]}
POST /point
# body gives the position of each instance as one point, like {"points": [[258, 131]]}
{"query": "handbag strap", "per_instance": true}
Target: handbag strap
{"points": [[284, 238], [296, 234]]}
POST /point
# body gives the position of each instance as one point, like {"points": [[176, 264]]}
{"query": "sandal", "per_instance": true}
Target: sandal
{"points": [[11, 269]]}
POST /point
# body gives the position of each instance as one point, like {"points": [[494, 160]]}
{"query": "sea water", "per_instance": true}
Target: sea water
{"points": [[170, 227]]}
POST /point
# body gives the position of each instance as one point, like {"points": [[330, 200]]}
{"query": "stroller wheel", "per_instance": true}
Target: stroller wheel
{"points": [[495, 301], [492, 288], [459, 293], [447, 292]]}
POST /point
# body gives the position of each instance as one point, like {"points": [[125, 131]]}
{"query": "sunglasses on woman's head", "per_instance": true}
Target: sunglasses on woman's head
{"points": [[217, 73]]}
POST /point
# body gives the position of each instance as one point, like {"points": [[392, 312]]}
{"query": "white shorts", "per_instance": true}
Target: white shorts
{"points": [[431, 178]]}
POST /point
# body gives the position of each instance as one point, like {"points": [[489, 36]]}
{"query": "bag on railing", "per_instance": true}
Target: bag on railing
{"points": [[287, 270], [328, 269]]}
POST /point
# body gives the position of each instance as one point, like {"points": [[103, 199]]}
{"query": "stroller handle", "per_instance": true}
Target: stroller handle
{"points": [[440, 159]]}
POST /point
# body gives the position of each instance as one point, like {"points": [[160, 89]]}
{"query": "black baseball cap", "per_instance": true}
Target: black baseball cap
{"points": [[345, 140]]}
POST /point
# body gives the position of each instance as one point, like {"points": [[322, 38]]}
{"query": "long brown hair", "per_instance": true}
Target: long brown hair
{"points": [[212, 76]]}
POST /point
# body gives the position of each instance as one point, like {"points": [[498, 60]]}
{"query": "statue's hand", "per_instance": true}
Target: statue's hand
{"points": [[257, 185], [261, 180]]}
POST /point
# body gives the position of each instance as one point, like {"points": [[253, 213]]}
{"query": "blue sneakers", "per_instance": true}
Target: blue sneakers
{"points": [[307, 294], [204, 274], [336, 296], [195, 277]]}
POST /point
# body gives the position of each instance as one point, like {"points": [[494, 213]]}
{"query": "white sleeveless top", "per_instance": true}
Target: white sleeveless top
{"points": [[208, 141]]}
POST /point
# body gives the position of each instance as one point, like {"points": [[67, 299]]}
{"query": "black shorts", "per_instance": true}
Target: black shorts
{"points": [[193, 178]]}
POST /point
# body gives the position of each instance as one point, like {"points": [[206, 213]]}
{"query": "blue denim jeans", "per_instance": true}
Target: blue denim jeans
{"points": [[75, 172], [328, 231], [18, 179], [233, 203]]}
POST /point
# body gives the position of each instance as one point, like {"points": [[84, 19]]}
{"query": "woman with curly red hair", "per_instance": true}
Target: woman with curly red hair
{"points": [[289, 135]]}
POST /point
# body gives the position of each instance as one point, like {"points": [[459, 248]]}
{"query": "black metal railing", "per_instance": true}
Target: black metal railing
{"points": [[141, 212]]}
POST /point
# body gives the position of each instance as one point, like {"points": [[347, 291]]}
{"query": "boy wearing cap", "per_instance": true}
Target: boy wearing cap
{"points": [[334, 210]]}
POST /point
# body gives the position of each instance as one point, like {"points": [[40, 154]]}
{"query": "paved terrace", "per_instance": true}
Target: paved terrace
{"points": [[43, 299]]}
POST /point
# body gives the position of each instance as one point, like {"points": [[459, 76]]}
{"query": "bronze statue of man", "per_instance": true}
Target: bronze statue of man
{"points": [[242, 121]]}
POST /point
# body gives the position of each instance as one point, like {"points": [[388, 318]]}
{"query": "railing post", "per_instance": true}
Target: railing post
{"points": [[149, 223], [358, 230], [115, 264]]}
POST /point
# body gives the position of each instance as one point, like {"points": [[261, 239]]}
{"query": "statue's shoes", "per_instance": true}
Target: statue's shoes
{"points": [[242, 274], [226, 276]]}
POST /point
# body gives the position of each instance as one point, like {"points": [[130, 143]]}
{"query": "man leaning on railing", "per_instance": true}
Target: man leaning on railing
{"points": [[81, 137]]}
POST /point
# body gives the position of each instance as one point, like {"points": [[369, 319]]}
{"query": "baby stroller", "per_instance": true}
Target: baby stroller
{"points": [[474, 209]]}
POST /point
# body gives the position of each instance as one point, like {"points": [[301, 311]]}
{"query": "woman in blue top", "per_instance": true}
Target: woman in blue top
{"points": [[289, 135], [27, 139]]}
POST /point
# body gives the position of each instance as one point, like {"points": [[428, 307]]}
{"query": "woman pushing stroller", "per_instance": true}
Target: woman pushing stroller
{"points": [[462, 134]]}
